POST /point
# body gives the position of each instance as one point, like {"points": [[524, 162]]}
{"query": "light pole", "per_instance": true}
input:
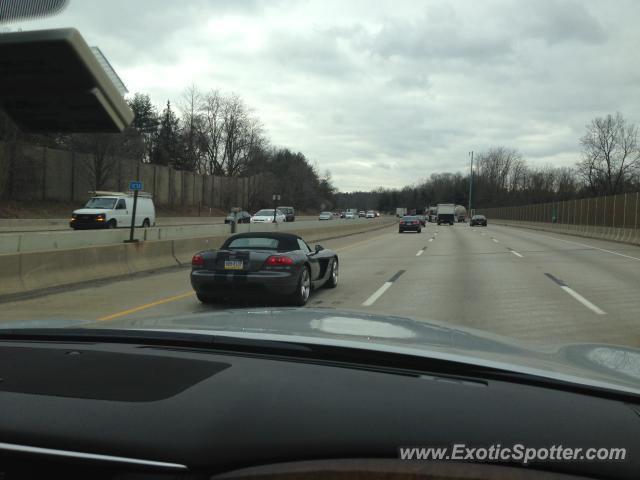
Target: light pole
{"points": [[470, 182]]}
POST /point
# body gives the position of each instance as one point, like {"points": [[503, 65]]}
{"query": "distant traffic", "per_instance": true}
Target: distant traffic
{"points": [[115, 209]]}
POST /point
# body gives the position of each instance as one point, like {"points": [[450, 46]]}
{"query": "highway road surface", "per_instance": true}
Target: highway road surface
{"points": [[531, 285]]}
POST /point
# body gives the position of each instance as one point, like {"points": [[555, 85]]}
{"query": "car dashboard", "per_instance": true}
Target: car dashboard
{"points": [[131, 409]]}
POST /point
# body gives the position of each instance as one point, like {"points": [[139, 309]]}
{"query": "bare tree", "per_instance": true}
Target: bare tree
{"points": [[234, 126], [101, 150], [610, 155], [494, 174], [211, 109], [192, 126]]}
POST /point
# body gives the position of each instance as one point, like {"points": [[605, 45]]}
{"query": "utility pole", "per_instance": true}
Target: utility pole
{"points": [[470, 182]]}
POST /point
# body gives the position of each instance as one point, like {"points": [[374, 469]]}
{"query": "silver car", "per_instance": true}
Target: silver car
{"points": [[325, 216]]}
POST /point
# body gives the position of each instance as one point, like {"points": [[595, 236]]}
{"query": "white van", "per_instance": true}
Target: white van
{"points": [[113, 210]]}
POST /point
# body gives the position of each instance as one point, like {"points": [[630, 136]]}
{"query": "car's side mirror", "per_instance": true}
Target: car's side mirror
{"points": [[319, 248]]}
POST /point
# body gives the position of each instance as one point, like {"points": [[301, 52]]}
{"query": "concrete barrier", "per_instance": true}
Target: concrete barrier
{"points": [[31, 271], [39, 242], [144, 256], [45, 241], [170, 233], [619, 235], [183, 249], [10, 280], [41, 270], [10, 243], [54, 240]]}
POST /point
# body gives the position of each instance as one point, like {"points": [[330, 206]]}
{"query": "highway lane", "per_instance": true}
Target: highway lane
{"points": [[522, 283]]}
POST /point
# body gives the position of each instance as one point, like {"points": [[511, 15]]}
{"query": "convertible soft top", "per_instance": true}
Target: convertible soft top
{"points": [[286, 241]]}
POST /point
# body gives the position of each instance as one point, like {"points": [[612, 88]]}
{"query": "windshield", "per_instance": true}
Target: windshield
{"points": [[521, 114], [101, 202]]}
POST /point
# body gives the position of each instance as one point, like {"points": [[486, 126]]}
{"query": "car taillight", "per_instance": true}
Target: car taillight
{"points": [[278, 261], [197, 260]]}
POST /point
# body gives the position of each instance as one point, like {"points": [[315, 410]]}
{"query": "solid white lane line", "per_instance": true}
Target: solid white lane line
{"points": [[420, 252], [378, 293], [589, 246], [516, 253], [583, 300], [595, 248]]}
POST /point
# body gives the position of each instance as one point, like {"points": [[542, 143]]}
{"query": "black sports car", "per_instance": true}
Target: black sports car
{"points": [[277, 263]]}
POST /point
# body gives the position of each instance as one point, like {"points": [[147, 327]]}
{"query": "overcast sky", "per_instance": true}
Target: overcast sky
{"points": [[384, 93]]}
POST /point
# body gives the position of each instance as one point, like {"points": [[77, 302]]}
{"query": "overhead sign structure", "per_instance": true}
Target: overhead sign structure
{"points": [[51, 81]]}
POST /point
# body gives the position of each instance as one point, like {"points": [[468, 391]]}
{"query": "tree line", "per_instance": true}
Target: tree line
{"points": [[609, 164], [208, 133]]}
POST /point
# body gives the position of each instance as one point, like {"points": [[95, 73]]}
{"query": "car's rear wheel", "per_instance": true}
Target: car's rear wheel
{"points": [[301, 295], [332, 281], [205, 298], [419, 230]]}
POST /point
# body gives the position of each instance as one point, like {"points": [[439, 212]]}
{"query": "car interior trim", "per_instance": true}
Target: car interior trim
{"points": [[12, 447]]}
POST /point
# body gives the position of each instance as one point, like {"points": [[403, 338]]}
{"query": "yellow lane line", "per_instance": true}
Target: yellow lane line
{"points": [[145, 306]]}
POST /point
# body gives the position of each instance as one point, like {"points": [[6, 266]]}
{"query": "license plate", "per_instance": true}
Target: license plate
{"points": [[233, 265]]}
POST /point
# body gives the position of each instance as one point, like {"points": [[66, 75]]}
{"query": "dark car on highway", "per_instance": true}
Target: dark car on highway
{"points": [[276, 263], [243, 217], [478, 220], [409, 224], [289, 213]]}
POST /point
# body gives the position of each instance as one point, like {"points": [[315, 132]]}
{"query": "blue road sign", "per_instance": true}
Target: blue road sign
{"points": [[135, 185]]}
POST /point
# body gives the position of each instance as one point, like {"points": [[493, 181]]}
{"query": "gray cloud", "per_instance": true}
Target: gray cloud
{"points": [[385, 93]]}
